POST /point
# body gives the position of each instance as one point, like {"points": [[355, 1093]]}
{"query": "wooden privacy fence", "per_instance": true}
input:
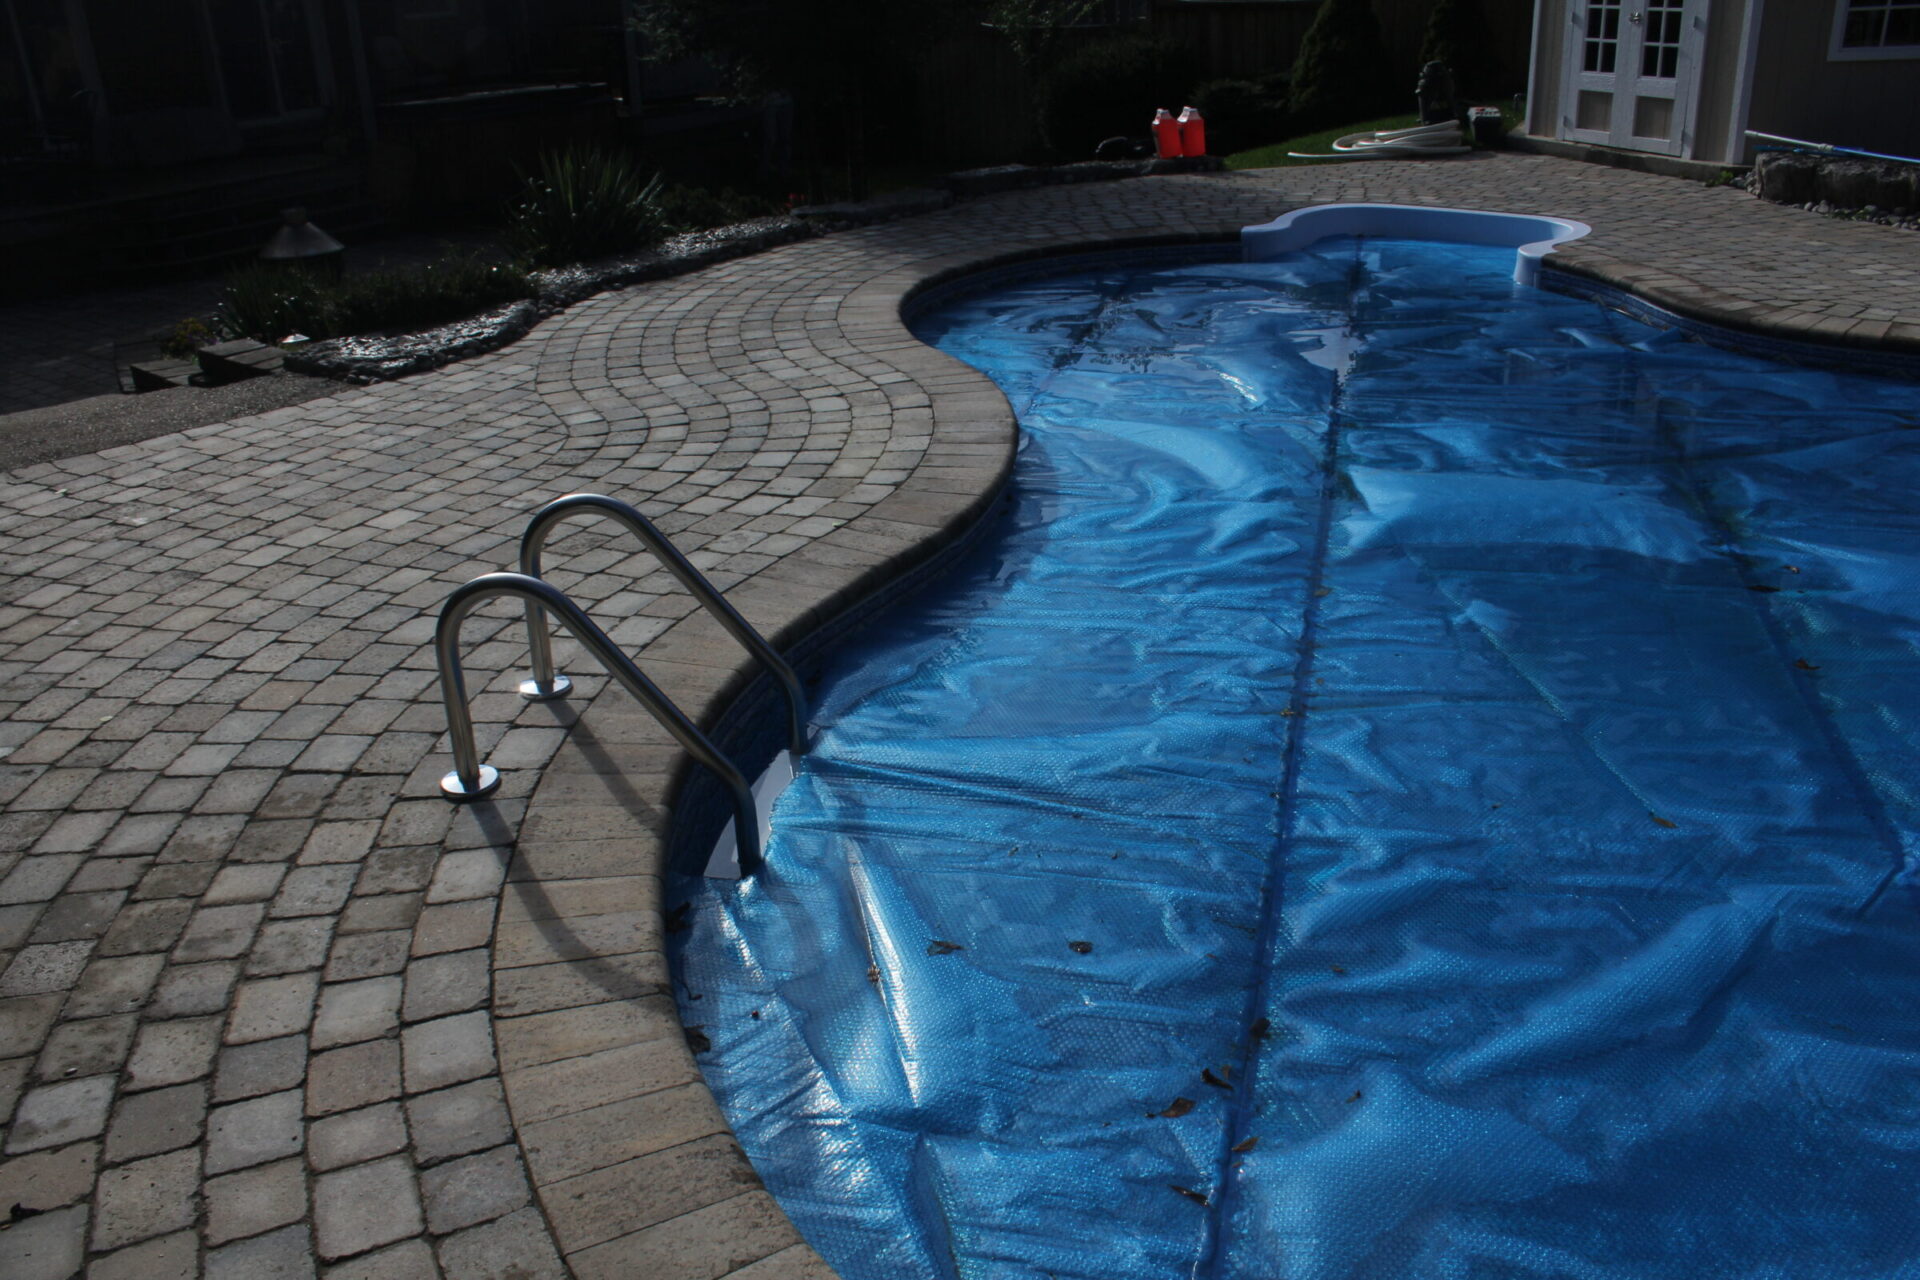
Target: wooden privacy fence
{"points": [[975, 101], [1238, 41], [1246, 39]]}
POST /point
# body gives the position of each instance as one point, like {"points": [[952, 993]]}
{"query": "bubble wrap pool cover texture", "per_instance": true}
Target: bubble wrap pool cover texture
{"points": [[1449, 818]]}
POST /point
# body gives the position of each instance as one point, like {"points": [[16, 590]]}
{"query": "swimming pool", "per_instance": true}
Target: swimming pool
{"points": [[1417, 783]]}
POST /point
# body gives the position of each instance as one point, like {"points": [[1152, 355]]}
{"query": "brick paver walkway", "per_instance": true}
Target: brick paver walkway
{"points": [[268, 1007]]}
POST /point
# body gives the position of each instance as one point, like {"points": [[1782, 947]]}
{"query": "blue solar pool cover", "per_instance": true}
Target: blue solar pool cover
{"points": [[1420, 783]]}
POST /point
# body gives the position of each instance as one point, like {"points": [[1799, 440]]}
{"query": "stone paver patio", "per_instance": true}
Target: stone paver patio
{"points": [[270, 1007]]}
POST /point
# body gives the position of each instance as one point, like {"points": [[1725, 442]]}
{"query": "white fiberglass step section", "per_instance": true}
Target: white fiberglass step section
{"points": [[724, 863], [1533, 235]]}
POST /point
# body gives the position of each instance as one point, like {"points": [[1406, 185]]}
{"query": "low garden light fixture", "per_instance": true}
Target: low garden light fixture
{"points": [[298, 242]]}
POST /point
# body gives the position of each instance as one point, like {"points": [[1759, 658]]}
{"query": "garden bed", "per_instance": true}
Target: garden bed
{"points": [[370, 358]]}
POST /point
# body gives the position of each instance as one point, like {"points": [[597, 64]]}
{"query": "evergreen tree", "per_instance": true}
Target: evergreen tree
{"points": [[827, 54], [1457, 36], [1342, 75], [1110, 86], [1033, 30]]}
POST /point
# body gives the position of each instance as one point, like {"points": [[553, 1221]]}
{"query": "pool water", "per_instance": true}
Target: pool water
{"points": [[1419, 782]]}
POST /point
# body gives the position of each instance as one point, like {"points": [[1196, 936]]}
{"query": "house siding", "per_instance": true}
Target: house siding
{"points": [[1714, 134], [1551, 31], [1798, 92]]}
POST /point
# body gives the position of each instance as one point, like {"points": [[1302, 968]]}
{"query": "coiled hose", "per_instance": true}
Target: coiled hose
{"points": [[1443, 139]]}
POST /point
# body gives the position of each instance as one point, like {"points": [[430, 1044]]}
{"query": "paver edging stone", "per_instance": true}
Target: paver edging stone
{"points": [[1723, 320], [363, 359]]}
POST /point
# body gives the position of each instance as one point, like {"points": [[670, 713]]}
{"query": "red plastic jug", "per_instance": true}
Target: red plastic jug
{"points": [[1193, 133], [1166, 134]]}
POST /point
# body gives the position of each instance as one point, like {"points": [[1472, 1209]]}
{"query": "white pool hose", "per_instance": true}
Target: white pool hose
{"points": [[1827, 148], [1441, 139]]}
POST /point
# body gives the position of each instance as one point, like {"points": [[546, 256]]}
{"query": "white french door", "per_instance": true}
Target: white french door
{"points": [[1631, 72]]}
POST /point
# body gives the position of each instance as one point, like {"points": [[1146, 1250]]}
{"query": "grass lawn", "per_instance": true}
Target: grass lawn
{"points": [[1275, 156]]}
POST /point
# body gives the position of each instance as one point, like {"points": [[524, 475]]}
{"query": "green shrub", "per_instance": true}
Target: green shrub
{"points": [[188, 336], [1457, 36], [688, 208], [267, 303], [1277, 85], [420, 297], [1342, 72], [1111, 86], [584, 203], [1239, 114]]}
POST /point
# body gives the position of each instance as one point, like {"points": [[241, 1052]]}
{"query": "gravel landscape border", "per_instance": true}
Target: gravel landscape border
{"points": [[379, 358]]}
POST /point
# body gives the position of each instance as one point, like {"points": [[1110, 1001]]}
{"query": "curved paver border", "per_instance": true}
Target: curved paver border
{"points": [[1721, 320]]}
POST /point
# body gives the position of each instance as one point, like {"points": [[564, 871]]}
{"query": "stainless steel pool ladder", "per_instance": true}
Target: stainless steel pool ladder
{"points": [[547, 683], [472, 780]]}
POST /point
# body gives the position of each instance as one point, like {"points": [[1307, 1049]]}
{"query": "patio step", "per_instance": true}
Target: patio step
{"points": [[237, 360], [162, 375]]}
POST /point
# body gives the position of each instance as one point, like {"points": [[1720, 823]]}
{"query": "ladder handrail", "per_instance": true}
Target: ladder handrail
{"points": [[470, 779], [533, 542]]}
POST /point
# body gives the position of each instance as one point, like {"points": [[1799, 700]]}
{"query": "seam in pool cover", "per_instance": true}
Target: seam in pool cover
{"points": [[1802, 679], [1299, 703]]}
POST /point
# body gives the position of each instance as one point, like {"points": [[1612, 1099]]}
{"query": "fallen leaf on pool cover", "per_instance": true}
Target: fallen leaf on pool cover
{"points": [[677, 918], [1804, 665], [1662, 821], [1080, 948], [1198, 1197], [1179, 1108], [1206, 1073], [1241, 1148], [1356, 1096], [939, 948], [697, 1039]]}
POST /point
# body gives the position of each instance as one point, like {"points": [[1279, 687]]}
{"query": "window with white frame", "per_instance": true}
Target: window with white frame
{"points": [[1875, 29]]}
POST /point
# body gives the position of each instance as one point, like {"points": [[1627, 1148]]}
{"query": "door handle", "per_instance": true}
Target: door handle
{"points": [[1633, 17]]}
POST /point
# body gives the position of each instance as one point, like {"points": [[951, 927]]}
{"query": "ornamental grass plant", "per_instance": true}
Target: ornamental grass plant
{"points": [[585, 202]]}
